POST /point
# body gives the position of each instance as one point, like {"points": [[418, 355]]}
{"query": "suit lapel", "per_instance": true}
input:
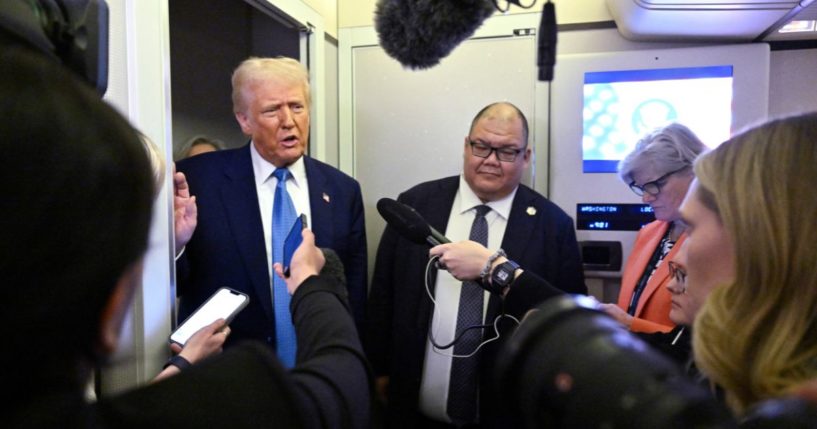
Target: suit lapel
{"points": [[320, 203], [436, 212], [637, 262], [440, 204], [240, 200], [518, 232], [520, 226], [660, 276]]}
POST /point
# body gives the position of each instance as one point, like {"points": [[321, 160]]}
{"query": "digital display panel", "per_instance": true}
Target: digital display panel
{"points": [[620, 107], [613, 217]]}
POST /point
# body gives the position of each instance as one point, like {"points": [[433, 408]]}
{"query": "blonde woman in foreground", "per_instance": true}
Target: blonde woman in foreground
{"points": [[750, 213]]}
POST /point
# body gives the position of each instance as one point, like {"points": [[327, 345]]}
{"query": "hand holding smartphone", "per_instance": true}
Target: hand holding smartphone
{"points": [[224, 304], [293, 240]]}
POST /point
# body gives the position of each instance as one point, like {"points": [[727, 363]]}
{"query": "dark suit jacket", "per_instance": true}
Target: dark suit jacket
{"points": [[246, 386], [539, 236], [227, 248]]}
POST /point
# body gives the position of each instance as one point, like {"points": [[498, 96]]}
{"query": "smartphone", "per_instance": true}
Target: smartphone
{"points": [[292, 241], [224, 304]]}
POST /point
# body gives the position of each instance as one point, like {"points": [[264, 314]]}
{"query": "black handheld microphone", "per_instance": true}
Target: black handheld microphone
{"points": [[409, 223], [546, 58]]}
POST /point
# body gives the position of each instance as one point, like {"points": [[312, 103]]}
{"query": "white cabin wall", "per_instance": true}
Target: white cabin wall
{"points": [[792, 88], [139, 87]]}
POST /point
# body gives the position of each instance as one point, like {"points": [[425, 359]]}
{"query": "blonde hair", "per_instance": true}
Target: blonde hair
{"points": [[256, 69], [757, 337], [184, 151], [157, 162]]}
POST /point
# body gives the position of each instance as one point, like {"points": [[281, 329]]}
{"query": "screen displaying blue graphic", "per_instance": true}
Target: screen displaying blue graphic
{"points": [[620, 107], [613, 216]]}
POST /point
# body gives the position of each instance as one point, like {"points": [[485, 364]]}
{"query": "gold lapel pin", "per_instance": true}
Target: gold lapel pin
{"points": [[325, 197], [531, 210]]}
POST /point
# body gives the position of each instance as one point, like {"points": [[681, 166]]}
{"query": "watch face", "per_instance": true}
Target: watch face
{"points": [[504, 274]]}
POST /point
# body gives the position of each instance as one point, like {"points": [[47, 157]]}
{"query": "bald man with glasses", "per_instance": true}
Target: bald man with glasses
{"points": [[433, 371]]}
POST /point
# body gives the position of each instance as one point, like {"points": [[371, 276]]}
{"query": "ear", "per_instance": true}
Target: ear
{"points": [[526, 157], [113, 315], [244, 122]]}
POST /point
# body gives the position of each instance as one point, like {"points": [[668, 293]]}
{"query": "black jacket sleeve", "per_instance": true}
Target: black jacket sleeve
{"points": [[332, 377], [246, 386], [526, 292]]}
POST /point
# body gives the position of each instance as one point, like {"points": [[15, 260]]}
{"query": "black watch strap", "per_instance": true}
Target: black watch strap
{"points": [[178, 362]]}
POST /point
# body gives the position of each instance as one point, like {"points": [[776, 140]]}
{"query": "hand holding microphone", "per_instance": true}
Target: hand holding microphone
{"points": [[465, 260]]}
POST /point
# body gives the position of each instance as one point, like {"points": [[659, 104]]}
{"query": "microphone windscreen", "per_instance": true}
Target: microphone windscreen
{"points": [[408, 223], [333, 266], [419, 33]]}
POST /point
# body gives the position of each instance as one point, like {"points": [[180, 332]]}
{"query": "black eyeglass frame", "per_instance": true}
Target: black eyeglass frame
{"points": [[657, 183], [678, 273], [508, 153]]}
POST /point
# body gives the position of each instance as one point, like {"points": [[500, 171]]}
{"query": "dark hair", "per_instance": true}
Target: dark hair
{"points": [[77, 196]]}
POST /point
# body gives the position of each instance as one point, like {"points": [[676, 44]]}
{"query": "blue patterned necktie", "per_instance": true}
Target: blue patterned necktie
{"points": [[283, 217], [464, 382]]}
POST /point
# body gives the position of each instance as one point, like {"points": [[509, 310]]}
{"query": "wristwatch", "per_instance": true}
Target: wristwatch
{"points": [[503, 275]]}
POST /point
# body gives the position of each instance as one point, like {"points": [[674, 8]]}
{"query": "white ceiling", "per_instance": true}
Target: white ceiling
{"points": [[724, 20]]}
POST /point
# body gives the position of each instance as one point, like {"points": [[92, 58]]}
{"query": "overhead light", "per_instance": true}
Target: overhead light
{"points": [[798, 27]]}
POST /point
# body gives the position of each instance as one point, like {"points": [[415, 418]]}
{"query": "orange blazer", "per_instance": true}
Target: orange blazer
{"points": [[652, 312]]}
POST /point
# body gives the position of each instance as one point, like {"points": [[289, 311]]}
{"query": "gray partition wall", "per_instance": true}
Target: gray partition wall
{"points": [[409, 126]]}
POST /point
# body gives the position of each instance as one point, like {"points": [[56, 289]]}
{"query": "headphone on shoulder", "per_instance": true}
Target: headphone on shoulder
{"points": [[73, 32]]}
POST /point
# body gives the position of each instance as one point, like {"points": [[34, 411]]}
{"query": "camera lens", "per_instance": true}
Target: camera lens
{"points": [[571, 366]]}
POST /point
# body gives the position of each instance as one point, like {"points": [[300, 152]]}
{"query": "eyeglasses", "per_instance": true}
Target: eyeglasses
{"points": [[653, 188], [679, 274], [504, 154]]}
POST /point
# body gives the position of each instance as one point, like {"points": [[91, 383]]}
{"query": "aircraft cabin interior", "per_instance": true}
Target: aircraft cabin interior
{"points": [[717, 66]]}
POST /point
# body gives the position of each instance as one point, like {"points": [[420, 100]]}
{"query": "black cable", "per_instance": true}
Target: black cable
{"points": [[509, 2], [434, 260]]}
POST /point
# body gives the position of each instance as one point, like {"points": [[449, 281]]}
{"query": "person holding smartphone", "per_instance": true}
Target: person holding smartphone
{"points": [[205, 342], [69, 279]]}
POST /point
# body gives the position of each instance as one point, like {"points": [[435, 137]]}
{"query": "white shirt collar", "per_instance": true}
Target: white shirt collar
{"points": [[468, 199], [263, 169]]}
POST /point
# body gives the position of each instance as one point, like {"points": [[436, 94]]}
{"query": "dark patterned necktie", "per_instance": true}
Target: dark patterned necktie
{"points": [[464, 382]]}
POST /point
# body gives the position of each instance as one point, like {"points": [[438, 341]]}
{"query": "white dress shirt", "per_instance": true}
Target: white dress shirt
{"points": [[265, 183], [437, 364]]}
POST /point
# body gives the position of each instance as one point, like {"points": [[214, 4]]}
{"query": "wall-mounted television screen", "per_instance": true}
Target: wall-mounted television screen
{"points": [[621, 106]]}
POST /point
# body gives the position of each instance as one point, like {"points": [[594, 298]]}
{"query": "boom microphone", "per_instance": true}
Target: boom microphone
{"points": [[419, 33], [546, 57], [409, 223], [333, 266]]}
